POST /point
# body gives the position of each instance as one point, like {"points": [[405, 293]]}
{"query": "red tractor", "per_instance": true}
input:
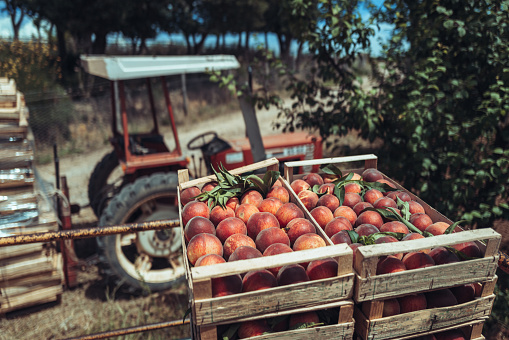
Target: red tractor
{"points": [[137, 181]]}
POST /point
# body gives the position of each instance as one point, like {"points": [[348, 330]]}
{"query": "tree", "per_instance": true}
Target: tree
{"points": [[17, 14]]}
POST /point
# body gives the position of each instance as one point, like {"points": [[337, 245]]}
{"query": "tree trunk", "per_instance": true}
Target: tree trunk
{"points": [[62, 49], [188, 43], [266, 40], [299, 55], [16, 24], [239, 45], [247, 40], [198, 47], [99, 44]]}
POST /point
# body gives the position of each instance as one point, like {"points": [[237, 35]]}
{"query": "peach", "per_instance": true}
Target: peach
{"points": [[366, 229], [249, 329], [259, 221], [394, 227], [298, 227], [258, 280], [389, 264], [351, 199], [347, 212], [288, 212], [412, 303], [442, 255], [354, 247], [391, 307], [244, 212], [359, 207], [244, 253], [437, 228], [384, 202], [355, 176], [464, 293], [209, 259], [322, 215], [198, 225], [341, 237], [233, 202], [353, 187], [218, 213], [371, 175], [308, 241], [290, 274], [441, 298], [454, 334], [278, 183], [226, 285], [308, 318], [389, 239], [308, 198], [421, 221], [327, 188], [209, 186], [269, 236], [203, 244], [322, 269], [298, 185], [372, 195], [313, 179], [369, 217], [328, 200], [404, 196], [470, 249], [251, 197], [336, 225], [229, 227], [412, 236], [279, 192], [271, 205], [234, 241], [387, 182], [187, 195], [415, 260], [192, 209], [274, 249], [415, 208]]}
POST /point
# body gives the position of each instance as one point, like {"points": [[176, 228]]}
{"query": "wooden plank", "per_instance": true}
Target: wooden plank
{"points": [[32, 280], [424, 320], [25, 265], [52, 279], [335, 160], [20, 249], [40, 296]]}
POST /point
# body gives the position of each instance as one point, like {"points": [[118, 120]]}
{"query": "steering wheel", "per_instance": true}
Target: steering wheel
{"points": [[201, 140]]}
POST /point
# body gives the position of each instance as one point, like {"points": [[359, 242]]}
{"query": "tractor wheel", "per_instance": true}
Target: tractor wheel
{"points": [[147, 261], [104, 182]]}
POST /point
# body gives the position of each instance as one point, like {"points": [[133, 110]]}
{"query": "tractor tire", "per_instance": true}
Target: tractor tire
{"points": [[99, 185], [149, 261]]}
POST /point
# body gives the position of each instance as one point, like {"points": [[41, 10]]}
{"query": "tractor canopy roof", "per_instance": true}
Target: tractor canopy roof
{"points": [[133, 67]]}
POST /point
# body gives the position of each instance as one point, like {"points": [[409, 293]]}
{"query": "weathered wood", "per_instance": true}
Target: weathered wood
{"points": [[21, 249], [423, 320], [12, 268], [11, 290], [40, 296]]}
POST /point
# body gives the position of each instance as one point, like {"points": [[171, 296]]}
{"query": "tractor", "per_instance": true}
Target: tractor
{"points": [[137, 181]]}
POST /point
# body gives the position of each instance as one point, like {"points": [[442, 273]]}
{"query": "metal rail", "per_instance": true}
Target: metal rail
{"points": [[87, 232]]}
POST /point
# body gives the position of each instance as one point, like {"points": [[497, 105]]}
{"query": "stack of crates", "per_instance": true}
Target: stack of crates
{"points": [[372, 290], [30, 274]]}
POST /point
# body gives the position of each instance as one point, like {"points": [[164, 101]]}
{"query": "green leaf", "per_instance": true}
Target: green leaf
{"points": [[353, 236], [331, 169], [451, 228]]}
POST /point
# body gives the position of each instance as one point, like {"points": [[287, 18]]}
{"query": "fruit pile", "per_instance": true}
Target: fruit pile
{"points": [[368, 209], [237, 218]]}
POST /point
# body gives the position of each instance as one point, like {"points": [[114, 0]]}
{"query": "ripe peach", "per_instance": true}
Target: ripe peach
{"points": [[298, 227], [322, 269], [371, 175], [308, 198], [470, 249], [259, 221], [359, 207], [209, 186], [327, 188], [354, 247], [277, 183], [308, 241], [341, 237], [394, 227], [288, 212], [328, 200], [437, 228], [404, 196], [290, 274], [412, 303], [251, 197], [230, 226], [351, 199], [271, 205], [346, 212], [442, 255], [218, 213], [187, 195], [308, 318], [279, 192], [298, 185], [414, 260], [441, 298], [249, 329], [269, 236], [372, 195], [244, 253], [192, 209], [244, 212], [391, 307], [274, 249], [389, 264], [208, 259], [389, 239], [355, 177], [322, 215], [198, 225], [464, 293], [421, 221], [203, 244], [384, 202], [366, 229], [389, 183], [233, 202], [336, 225], [313, 179], [226, 285], [258, 280], [415, 207], [370, 217], [234, 241], [412, 236], [454, 334], [353, 187]]}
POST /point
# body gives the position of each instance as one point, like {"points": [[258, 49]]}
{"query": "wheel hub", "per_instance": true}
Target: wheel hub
{"points": [[159, 243]]}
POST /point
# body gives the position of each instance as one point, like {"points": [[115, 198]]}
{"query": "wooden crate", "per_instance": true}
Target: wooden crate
{"points": [[343, 329], [370, 324], [208, 310]]}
